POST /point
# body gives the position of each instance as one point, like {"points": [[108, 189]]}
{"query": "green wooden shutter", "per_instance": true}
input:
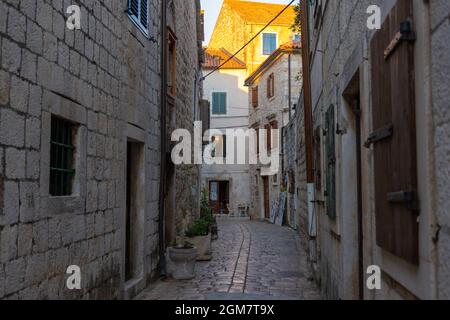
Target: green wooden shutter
{"points": [[215, 103], [219, 103], [331, 163], [223, 103]]}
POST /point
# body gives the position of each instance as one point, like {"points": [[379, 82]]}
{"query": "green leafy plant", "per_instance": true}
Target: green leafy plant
{"points": [[206, 211], [199, 227]]}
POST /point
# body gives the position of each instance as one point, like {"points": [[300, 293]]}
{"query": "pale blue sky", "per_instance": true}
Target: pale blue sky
{"points": [[212, 9]]}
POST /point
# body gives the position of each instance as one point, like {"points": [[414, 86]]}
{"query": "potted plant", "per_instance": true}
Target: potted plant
{"points": [[181, 260], [206, 212], [199, 236]]}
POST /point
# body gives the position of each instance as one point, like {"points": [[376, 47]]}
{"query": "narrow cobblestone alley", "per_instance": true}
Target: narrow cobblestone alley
{"points": [[251, 260]]}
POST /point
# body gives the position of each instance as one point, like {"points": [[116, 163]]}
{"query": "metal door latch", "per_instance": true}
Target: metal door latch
{"points": [[380, 134], [407, 197], [405, 34]]}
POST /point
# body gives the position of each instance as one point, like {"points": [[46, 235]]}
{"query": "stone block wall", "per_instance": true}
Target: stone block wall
{"points": [[105, 78], [440, 80]]}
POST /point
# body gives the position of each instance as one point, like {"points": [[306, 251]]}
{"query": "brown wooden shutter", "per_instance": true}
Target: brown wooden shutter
{"points": [[317, 159], [255, 97], [394, 136], [268, 137], [330, 143]]}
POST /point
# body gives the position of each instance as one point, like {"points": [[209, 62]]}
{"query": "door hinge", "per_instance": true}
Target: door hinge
{"points": [[380, 134], [407, 197], [406, 33]]}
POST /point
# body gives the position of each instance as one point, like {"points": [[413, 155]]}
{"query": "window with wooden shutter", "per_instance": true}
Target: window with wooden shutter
{"points": [[317, 159], [270, 86], [274, 135], [255, 97], [2, 188], [138, 13], [219, 103], [394, 135], [268, 137], [171, 61], [331, 163]]}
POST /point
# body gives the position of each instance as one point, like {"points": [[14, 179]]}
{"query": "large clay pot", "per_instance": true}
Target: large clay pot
{"points": [[203, 245], [181, 262]]}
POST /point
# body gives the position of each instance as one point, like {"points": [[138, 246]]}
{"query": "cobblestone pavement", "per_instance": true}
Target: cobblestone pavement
{"points": [[251, 260]]}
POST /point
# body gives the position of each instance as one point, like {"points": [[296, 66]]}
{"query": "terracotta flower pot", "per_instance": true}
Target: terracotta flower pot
{"points": [[181, 262]]}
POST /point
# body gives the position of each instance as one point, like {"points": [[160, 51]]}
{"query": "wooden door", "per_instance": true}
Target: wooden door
{"points": [[394, 135], [266, 198], [214, 196]]}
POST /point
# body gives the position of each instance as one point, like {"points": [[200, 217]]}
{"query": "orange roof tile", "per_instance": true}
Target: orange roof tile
{"points": [[262, 13], [215, 57]]}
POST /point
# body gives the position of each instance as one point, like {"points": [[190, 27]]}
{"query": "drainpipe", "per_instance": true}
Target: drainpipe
{"points": [[162, 184], [289, 89]]}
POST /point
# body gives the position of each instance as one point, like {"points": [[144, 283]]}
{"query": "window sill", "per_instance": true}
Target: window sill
{"points": [[66, 204], [139, 26]]}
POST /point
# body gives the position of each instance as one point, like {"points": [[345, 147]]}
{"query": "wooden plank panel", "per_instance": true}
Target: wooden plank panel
{"points": [[395, 158]]}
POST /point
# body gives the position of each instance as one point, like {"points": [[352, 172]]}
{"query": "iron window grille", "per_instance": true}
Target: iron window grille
{"points": [[62, 151]]}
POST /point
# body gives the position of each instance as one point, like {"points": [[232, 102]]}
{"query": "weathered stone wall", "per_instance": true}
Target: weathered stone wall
{"points": [[104, 77], [440, 80], [341, 46], [182, 18], [275, 108]]}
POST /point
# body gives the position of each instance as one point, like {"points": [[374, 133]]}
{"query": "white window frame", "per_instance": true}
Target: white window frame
{"points": [[226, 105], [137, 20], [262, 42]]}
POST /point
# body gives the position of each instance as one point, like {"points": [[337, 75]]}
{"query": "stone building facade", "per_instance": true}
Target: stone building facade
{"points": [[237, 23], [93, 95], [274, 88], [228, 184], [353, 233]]}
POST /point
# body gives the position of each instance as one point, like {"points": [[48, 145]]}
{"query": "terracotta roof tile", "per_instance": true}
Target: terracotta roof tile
{"points": [[262, 13], [215, 57]]}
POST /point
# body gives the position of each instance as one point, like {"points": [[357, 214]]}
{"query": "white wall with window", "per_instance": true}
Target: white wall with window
{"points": [[219, 101]]}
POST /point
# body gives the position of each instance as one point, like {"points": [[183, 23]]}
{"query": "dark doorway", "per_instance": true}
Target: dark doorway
{"points": [[266, 198], [134, 211], [219, 196]]}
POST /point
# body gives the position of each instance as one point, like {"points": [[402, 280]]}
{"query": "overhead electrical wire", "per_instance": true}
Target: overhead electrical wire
{"points": [[253, 38]]}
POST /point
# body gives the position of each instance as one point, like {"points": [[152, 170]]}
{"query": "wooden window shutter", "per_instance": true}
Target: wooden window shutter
{"points": [[394, 136], [144, 13], [272, 88], [317, 159], [268, 128], [255, 97], [134, 8], [331, 163], [257, 140]]}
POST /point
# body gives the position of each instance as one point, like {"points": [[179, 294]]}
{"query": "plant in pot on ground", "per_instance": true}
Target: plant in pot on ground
{"points": [[206, 212], [198, 234], [181, 258]]}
